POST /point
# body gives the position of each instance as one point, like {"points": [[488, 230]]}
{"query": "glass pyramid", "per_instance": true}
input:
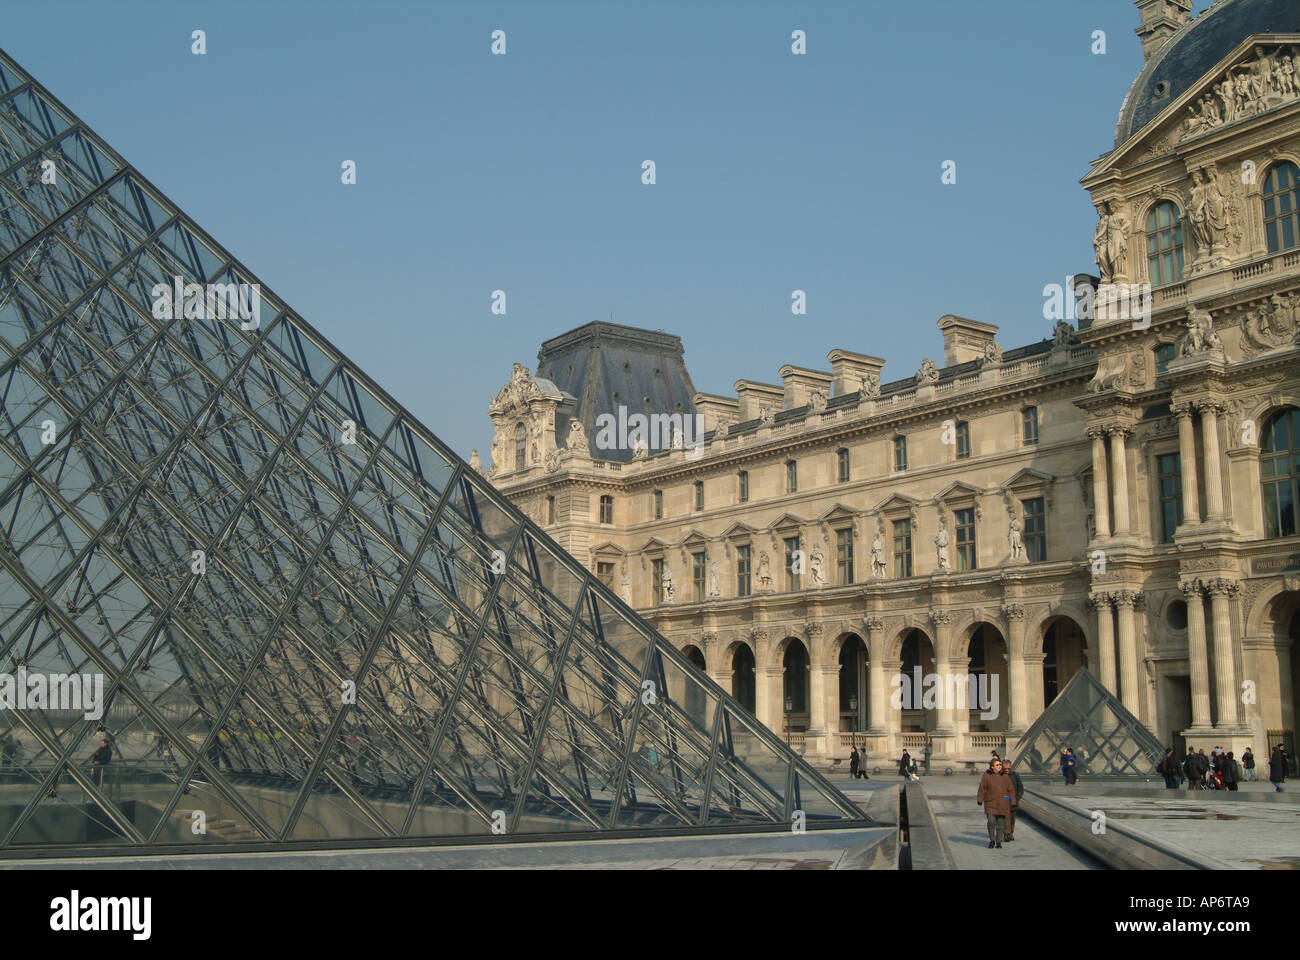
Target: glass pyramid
{"points": [[1107, 740], [312, 622]]}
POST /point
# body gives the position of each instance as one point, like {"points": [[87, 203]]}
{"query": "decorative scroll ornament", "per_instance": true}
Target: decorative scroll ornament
{"points": [[928, 373], [519, 389]]}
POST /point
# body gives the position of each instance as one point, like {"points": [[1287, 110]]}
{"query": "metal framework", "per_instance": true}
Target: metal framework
{"points": [[313, 623]]}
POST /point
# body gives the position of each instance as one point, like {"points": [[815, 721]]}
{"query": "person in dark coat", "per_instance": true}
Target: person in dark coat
{"points": [[1277, 768], [100, 759], [904, 764], [1018, 791], [1228, 767], [1248, 765], [995, 793], [1202, 766], [853, 764], [1191, 769], [1068, 767], [1169, 770]]}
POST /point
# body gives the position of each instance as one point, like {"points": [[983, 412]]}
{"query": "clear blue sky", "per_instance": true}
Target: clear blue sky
{"points": [[522, 172]]}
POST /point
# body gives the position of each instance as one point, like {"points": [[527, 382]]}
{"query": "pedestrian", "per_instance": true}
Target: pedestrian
{"points": [[1017, 792], [1068, 767], [1203, 768], [1228, 767], [1277, 768], [913, 771], [853, 764], [904, 763], [995, 793], [1192, 770], [1248, 765], [100, 759], [1169, 770]]}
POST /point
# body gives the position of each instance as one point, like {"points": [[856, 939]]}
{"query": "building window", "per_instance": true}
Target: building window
{"points": [[1282, 207], [963, 441], [902, 549], [521, 446], [605, 573], [1164, 353], [699, 495], [1029, 426], [844, 556], [1279, 471], [657, 580], [900, 454], [550, 510], [791, 477], [793, 573], [966, 559], [1169, 474], [742, 571], [743, 478], [843, 460], [606, 509], [1035, 535], [697, 575], [1164, 245], [659, 504]]}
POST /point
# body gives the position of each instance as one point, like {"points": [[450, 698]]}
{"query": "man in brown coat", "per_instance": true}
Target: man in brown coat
{"points": [[996, 794]]}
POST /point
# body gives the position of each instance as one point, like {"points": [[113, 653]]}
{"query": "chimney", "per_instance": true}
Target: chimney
{"points": [[964, 340], [851, 369], [717, 410], [1160, 18], [801, 383], [754, 395]]}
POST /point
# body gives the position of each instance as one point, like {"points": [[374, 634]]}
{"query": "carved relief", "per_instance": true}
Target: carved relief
{"points": [[929, 373], [1273, 324], [1247, 90]]}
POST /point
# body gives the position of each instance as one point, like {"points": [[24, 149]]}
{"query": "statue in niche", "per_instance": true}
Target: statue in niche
{"points": [[1207, 212], [670, 591], [878, 568], [817, 567], [625, 588], [764, 572], [1110, 240], [1015, 539], [715, 590], [941, 546], [1201, 337]]}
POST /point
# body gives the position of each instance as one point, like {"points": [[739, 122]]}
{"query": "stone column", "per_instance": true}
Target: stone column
{"points": [[1129, 681], [1034, 685], [1100, 488], [877, 682], [1019, 693], [1187, 463], [1197, 662], [1119, 464], [942, 621], [1225, 671], [1105, 640], [1210, 410]]}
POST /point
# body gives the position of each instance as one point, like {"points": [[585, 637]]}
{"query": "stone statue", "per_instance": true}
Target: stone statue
{"points": [[577, 436], [941, 546], [992, 352], [817, 402], [1246, 90], [878, 568], [475, 461], [764, 572], [625, 588], [766, 414], [870, 387], [640, 450], [929, 373], [1201, 337], [817, 567], [670, 592], [721, 430], [1016, 541], [1110, 240], [1062, 333], [1207, 212], [714, 589]]}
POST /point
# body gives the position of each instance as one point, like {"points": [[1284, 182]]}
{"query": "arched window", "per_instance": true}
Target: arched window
{"points": [[521, 446], [1164, 244], [1279, 472], [1282, 206]]}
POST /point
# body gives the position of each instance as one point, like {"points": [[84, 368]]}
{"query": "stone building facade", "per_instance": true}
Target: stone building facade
{"points": [[1120, 495]]}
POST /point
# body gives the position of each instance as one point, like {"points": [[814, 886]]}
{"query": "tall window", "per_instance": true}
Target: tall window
{"points": [[521, 446], [793, 577], [1279, 471], [843, 460], [742, 571], [699, 495], [1282, 207], [1035, 534], [902, 549], [900, 454], [1029, 426], [791, 477], [744, 486], [1170, 477], [550, 510], [697, 575], [1164, 353], [605, 573], [1164, 244], [965, 521], [606, 509], [659, 504], [657, 580], [844, 556], [963, 440]]}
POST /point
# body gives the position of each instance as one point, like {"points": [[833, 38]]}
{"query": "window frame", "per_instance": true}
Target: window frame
{"points": [[962, 438], [1176, 250], [606, 517], [904, 557], [1029, 537], [900, 447], [792, 476], [1029, 415], [742, 484], [1163, 498], [843, 557], [1289, 218], [843, 466]]}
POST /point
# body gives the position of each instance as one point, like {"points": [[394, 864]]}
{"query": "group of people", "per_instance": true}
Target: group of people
{"points": [[999, 794], [907, 768], [1071, 763], [1220, 770]]}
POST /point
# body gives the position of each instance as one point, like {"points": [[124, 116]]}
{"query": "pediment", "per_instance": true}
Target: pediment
{"points": [[959, 490], [694, 537], [738, 529], [1028, 477], [653, 545], [1210, 104], [786, 521], [607, 548], [837, 512], [896, 502]]}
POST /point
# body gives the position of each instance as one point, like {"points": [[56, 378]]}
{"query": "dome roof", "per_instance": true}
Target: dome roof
{"points": [[1194, 50]]}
